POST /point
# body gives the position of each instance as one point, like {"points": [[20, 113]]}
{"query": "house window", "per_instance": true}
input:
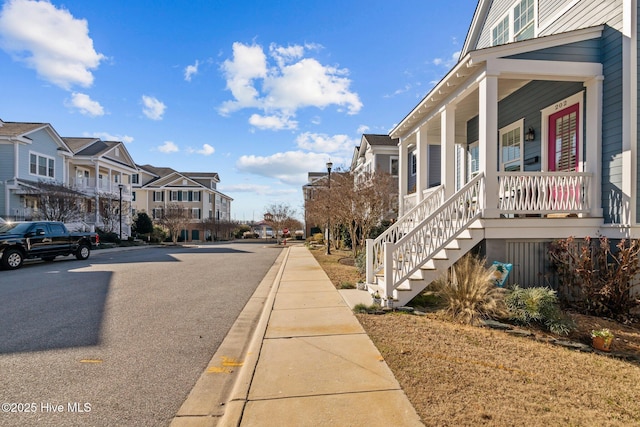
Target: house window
{"points": [[196, 196], [133, 196], [414, 163], [500, 33], [41, 165], [511, 147], [523, 20], [473, 165], [196, 213], [393, 166], [158, 196], [518, 24], [135, 178]]}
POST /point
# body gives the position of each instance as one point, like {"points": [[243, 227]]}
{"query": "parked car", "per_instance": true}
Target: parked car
{"points": [[41, 239]]}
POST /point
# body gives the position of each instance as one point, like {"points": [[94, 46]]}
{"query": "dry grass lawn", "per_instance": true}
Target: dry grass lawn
{"points": [[457, 375]]}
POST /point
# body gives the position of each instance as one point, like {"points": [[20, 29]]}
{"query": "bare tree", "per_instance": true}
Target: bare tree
{"points": [[175, 218], [57, 202], [110, 211], [279, 216], [357, 207]]}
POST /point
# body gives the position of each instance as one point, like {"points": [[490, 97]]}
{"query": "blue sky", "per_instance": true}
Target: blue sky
{"points": [[261, 92]]}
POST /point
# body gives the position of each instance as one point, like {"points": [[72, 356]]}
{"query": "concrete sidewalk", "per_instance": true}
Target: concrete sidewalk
{"points": [[309, 362]]}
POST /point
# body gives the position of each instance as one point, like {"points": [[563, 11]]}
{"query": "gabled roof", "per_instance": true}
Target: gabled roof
{"points": [[167, 176], [15, 129], [77, 144], [104, 150], [157, 171], [21, 131], [374, 139]]}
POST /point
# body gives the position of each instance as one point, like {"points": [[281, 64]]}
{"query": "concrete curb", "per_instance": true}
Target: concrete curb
{"points": [[240, 393], [219, 396]]}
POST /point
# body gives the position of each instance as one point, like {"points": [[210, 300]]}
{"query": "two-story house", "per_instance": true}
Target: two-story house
{"points": [[537, 133], [376, 153], [155, 188], [29, 153], [102, 170]]}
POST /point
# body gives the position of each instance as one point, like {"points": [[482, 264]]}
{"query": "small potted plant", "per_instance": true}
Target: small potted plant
{"points": [[602, 339], [376, 298]]}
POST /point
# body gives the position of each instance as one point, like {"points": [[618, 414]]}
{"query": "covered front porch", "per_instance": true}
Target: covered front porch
{"points": [[532, 126]]}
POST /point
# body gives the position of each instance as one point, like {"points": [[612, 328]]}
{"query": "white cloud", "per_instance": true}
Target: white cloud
{"points": [[289, 83], [273, 122], [448, 63], [49, 40], [206, 150], [190, 70], [153, 108], [339, 144], [362, 129], [105, 136], [168, 147], [290, 167], [85, 105]]}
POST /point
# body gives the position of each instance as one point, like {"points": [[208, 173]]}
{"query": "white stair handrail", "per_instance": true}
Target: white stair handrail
{"points": [[431, 236], [402, 226]]}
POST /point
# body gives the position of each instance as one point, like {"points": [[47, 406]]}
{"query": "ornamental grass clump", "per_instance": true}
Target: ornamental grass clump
{"points": [[537, 305], [469, 293]]}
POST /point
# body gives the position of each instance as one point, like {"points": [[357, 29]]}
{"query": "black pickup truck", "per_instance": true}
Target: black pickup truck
{"points": [[41, 239]]}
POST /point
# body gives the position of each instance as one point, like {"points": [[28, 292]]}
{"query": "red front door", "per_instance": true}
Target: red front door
{"points": [[564, 139], [564, 143]]}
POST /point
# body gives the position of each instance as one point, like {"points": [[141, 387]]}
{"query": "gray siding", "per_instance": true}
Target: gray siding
{"points": [[588, 13], [42, 144], [584, 51], [496, 13], [584, 14], [383, 163], [435, 166], [526, 103], [547, 10], [6, 161], [638, 120], [531, 264], [612, 125]]}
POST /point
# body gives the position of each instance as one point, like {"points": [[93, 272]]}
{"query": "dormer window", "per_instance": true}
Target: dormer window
{"points": [[516, 25]]}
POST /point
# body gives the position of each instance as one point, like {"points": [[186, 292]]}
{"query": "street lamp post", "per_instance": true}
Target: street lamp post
{"points": [[120, 210], [329, 166]]}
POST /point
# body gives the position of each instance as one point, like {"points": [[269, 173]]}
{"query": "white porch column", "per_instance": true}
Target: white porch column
{"points": [[448, 150], [403, 170], [629, 106], [421, 158], [593, 143], [488, 142]]}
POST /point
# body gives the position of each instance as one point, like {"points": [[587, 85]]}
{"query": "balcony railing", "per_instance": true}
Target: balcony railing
{"points": [[100, 185], [543, 192]]}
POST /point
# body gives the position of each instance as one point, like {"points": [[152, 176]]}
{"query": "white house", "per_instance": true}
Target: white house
{"points": [[537, 131]]}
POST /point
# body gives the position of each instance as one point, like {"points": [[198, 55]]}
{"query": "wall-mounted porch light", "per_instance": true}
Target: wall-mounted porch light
{"points": [[530, 135]]}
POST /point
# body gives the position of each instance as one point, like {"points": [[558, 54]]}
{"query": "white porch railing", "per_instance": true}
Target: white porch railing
{"points": [[101, 186], [543, 192], [442, 226], [402, 226]]}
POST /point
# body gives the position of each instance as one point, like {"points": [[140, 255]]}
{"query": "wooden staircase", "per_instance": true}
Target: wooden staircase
{"points": [[405, 259]]}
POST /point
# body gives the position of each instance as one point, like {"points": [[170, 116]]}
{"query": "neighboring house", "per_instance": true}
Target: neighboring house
{"points": [[29, 153], [376, 153], [314, 181], [103, 171], [533, 134], [154, 188]]}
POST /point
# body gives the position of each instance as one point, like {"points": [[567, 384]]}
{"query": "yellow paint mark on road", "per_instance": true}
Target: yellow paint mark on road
{"points": [[90, 360], [219, 370], [230, 361]]}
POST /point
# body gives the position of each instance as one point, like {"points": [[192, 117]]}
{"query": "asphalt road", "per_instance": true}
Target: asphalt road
{"points": [[121, 338]]}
